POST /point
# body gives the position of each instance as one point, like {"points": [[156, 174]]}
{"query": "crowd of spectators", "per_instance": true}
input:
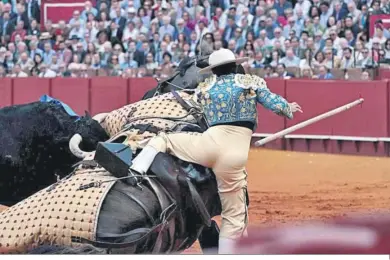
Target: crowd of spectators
{"points": [[136, 38]]}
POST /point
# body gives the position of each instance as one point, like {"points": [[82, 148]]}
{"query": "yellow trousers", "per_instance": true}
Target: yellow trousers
{"points": [[224, 149]]}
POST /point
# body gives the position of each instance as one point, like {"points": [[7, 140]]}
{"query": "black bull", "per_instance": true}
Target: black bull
{"points": [[34, 147]]}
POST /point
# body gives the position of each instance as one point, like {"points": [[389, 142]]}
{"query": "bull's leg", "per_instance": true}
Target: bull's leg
{"points": [[209, 238]]}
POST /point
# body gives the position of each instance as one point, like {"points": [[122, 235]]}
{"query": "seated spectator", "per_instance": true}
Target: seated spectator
{"points": [[290, 60], [166, 28], [130, 32], [308, 60], [258, 61], [347, 60], [365, 60], [331, 60], [87, 10], [150, 63], [323, 73], [282, 72], [306, 72], [17, 72], [25, 62], [19, 30], [46, 72], [47, 53], [365, 76]]}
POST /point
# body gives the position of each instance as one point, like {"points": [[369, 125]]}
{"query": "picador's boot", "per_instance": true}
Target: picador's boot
{"points": [[226, 246]]}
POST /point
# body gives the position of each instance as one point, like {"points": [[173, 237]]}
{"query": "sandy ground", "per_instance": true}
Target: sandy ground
{"points": [[290, 186]]}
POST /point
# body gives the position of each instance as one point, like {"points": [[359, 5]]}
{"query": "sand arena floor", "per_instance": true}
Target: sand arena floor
{"points": [[290, 186]]}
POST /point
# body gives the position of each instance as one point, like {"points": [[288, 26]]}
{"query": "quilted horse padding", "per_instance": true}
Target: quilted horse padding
{"points": [[145, 118]]}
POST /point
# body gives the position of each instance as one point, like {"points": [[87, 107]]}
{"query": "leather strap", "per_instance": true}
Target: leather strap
{"points": [[147, 127], [90, 163], [180, 100], [200, 119], [119, 245]]}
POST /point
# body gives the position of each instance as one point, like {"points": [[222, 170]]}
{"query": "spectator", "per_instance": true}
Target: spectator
{"points": [[306, 72], [365, 76], [47, 53], [152, 38], [353, 11], [18, 72], [150, 64], [88, 9], [323, 73], [330, 60], [366, 60], [308, 60], [282, 72], [282, 5], [167, 28], [25, 62], [76, 19], [19, 30], [339, 13], [46, 72], [21, 16], [290, 60], [182, 30], [347, 60], [326, 13]]}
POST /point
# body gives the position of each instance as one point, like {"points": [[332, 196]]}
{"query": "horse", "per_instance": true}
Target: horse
{"points": [[185, 76], [164, 214], [168, 212], [35, 146]]}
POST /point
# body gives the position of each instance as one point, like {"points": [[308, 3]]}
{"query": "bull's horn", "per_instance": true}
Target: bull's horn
{"points": [[74, 146], [100, 117]]}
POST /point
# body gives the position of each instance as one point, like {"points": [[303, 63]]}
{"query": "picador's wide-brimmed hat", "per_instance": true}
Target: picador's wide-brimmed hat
{"points": [[222, 57]]}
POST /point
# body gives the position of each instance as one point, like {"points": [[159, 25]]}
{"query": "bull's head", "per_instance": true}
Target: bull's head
{"points": [[91, 128]]}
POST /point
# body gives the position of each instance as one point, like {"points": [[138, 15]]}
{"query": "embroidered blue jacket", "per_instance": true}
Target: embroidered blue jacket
{"points": [[233, 97]]}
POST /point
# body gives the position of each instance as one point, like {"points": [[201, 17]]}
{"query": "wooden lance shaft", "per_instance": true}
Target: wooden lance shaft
{"points": [[308, 122]]}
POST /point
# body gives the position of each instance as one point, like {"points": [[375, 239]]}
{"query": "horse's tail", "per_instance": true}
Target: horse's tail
{"points": [[66, 250]]}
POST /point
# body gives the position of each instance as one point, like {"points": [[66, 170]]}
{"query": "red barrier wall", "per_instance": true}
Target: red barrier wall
{"points": [[372, 119]]}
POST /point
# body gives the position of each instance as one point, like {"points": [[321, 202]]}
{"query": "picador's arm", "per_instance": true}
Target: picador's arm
{"points": [[272, 101]]}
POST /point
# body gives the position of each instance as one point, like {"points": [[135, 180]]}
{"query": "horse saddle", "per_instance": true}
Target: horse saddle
{"points": [[175, 180]]}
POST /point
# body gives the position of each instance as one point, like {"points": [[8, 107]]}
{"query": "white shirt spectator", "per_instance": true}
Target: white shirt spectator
{"points": [[304, 5], [130, 34], [47, 73], [21, 74]]}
